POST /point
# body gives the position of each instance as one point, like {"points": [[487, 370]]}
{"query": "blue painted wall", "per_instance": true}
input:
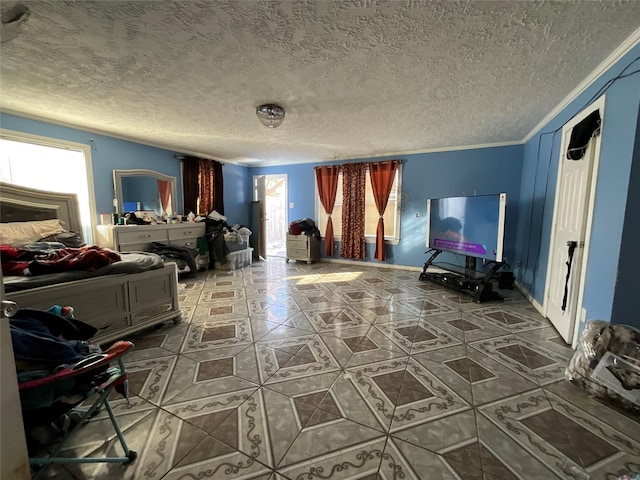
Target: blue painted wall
{"points": [[237, 193], [428, 175], [626, 303], [539, 176], [110, 153]]}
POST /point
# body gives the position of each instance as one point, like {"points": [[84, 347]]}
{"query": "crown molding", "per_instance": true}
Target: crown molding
{"points": [[278, 163], [125, 138], [622, 49]]}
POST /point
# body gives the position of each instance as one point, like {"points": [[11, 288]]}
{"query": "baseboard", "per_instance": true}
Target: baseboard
{"points": [[371, 264], [529, 297]]}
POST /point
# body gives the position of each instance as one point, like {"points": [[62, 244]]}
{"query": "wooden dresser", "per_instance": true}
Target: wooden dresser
{"points": [[132, 238], [303, 248], [137, 238]]}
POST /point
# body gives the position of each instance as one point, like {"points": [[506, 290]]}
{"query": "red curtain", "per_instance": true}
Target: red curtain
{"points": [[327, 180], [382, 175], [353, 189], [190, 181], [164, 187], [218, 187], [210, 186], [205, 175]]}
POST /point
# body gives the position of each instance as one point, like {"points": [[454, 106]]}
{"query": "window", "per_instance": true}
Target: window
{"points": [[391, 214], [47, 164]]}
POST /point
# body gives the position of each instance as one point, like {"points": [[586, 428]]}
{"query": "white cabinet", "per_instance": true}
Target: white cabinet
{"points": [[138, 238], [303, 248], [131, 238]]}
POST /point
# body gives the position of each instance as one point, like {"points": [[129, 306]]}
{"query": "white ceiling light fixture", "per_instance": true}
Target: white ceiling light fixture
{"points": [[270, 115]]}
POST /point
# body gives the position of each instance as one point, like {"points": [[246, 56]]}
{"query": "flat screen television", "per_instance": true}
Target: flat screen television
{"points": [[471, 226]]}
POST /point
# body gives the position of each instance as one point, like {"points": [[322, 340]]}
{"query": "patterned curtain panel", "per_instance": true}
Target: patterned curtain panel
{"points": [[382, 175], [327, 180], [353, 188], [218, 187], [205, 170], [190, 184]]}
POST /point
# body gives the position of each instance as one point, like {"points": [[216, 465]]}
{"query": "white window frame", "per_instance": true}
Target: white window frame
{"points": [[66, 145], [395, 240]]}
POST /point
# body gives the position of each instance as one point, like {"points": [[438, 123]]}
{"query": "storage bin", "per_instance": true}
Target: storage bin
{"points": [[240, 258]]}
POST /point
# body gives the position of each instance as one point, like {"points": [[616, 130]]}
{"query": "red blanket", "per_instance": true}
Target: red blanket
{"points": [[19, 261]]}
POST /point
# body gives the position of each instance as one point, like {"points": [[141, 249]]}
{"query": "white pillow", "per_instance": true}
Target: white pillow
{"points": [[17, 234]]}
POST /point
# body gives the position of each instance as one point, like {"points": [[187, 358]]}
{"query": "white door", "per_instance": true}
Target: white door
{"points": [[259, 230], [571, 224]]}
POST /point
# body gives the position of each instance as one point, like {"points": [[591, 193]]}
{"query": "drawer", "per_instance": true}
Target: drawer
{"points": [[194, 231], [134, 247], [184, 242], [144, 236], [297, 253], [150, 291], [300, 240]]}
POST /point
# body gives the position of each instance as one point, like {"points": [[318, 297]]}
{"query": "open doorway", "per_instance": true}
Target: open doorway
{"points": [[271, 192], [276, 210]]}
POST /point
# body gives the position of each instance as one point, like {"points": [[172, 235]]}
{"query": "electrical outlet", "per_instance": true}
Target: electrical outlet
{"points": [[291, 205]]}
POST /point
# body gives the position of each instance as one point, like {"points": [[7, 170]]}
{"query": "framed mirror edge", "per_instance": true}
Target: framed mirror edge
{"points": [[118, 174]]}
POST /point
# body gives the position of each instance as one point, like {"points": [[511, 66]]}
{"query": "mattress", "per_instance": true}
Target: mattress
{"points": [[134, 262]]}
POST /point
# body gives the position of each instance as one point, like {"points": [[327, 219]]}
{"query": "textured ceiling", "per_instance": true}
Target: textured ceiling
{"points": [[357, 79]]}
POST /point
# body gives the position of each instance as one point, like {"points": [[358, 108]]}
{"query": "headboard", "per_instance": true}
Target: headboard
{"points": [[22, 204]]}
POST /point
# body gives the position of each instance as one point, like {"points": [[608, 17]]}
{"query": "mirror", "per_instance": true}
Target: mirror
{"points": [[140, 190]]}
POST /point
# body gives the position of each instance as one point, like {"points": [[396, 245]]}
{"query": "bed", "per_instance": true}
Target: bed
{"points": [[118, 299]]}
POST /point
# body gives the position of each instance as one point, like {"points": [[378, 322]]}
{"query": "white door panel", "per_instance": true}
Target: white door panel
{"points": [[571, 213]]}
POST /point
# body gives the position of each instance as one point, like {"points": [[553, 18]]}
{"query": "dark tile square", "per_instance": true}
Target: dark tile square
{"points": [[380, 310], [212, 334], [221, 310], [469, 370], [227, 294], [505, 318], [525, 356], [463, 325], [211, 369], [477, 456], [360, 344], [416, 334], [572, 439]]}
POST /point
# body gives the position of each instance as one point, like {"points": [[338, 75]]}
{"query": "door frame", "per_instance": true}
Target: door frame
{"points": [[286, 202], [259, 196], [580, 312]]}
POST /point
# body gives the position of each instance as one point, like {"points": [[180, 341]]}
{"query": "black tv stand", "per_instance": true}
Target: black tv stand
{"points": [[466, 280]]}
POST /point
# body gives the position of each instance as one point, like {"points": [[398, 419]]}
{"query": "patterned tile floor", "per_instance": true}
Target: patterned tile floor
{"points": [[328, 371]]}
